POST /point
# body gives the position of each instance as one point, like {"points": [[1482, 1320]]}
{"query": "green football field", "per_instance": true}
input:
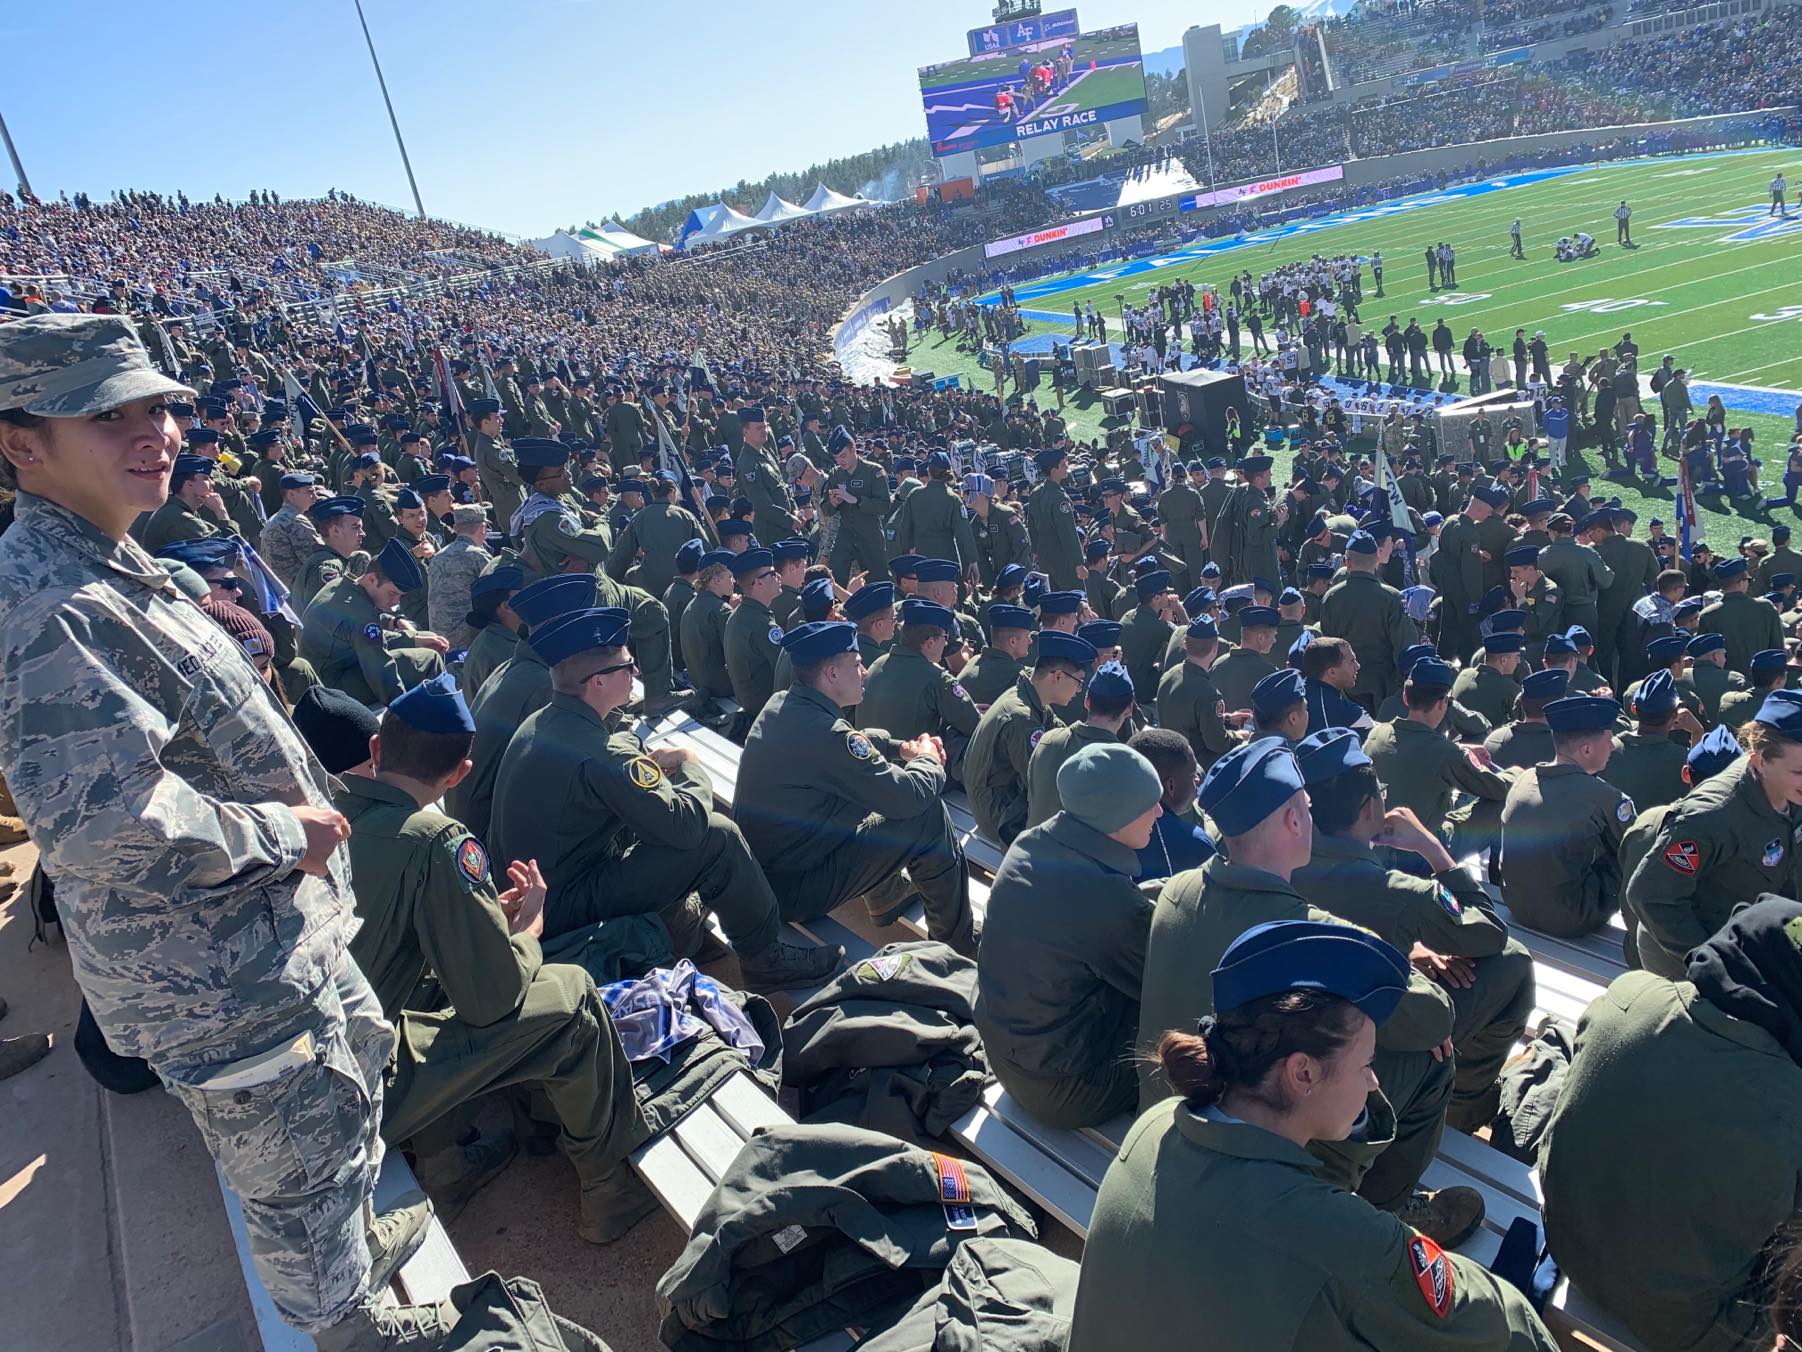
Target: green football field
{"points": [[1729, 310]]}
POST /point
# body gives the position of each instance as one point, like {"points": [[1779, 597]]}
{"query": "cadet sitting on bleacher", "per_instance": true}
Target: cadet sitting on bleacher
{"points": [[993, 671], [908, 692], [1215, 1224], [355, 640], [1670, 1163], [703, 632], [1491, 686], [830, 812], [996, 765], [1108, 705], [1255, 796], [1647, 765], [1063, 944], [1729, 840], [1178, 841], [1421, 769], [1562, 826], [619, 831], [1443, 922], [1527, 740]]}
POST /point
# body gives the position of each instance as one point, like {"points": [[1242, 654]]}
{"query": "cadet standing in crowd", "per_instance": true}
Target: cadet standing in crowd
{"points": [[1051, 522]]}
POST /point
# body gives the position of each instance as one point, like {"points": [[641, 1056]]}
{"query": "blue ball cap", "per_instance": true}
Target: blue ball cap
{"points": [[1151, 584], [1702, 644], [1056, 644], [1782, 712], [818, 640], [868, 599], [1431, 673], [1060, 603], [1545, 685], [1657, 695], [918, 610], [1276, 692], [1249, 783], [1412, 654], [1522, 556], [1329, 753], [1661, 652], [1289, 955], [1728, 569], [1259, 617], [1717, 749], [816, 599], [498, 581], [1102, 633], [399, 566], [1202, 627], [1582, 713], [937, 570], [1506, 641], [1011, 576], [751, 560], [544, 600], [577, 631], [330, 509], [1111, 682], [434, 706], [1770, 659], [1005, 616]]}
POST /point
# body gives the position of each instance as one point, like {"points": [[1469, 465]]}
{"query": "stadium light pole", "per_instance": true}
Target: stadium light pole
{"points": [[393, 121], [12, 152], [1207, 139]]}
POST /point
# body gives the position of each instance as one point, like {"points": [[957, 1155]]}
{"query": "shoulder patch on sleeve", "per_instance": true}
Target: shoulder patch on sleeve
{"points": [[1624, 811], [1683, 856], [1032, 742], [957, 689], [373, 632], [644, 772], [859, 746], [1447, 900], [776, 634], [472, 860], [1432, 1273]]}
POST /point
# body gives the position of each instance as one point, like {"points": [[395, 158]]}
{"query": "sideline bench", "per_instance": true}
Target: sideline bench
{"points": [[427, 1276]]}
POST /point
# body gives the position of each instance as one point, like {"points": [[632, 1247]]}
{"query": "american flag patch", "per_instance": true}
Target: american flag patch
{"points": [[954, 1184]]}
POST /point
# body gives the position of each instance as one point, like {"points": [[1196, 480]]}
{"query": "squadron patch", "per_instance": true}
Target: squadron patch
{"points": [[472, 860], [1447, 900], [1773, 852], [859, 746], [1032, 742], [776, 634], [1683, 856], [373, 632], [1432, 1272], [958, 690], [567, 525], [1624, 810], [644, 772]]}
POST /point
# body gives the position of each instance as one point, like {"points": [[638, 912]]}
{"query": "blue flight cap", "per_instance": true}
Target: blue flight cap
{"points": [[1412, 654], [868, 599], [1276, 692], [1689, 605], [918, 610], [1288, 955], [1049, 458], [577, 631], [1203, 627], [1329, 753], [1506, 641], [399, 566], [1502, 620], [688, 555], [1198, 600], [905, 565], [327, 510], [1254, 464], [790, 550], [1259, 617], [362, 434], [732, 529], [1249, 783], [1111, 682], [434, 706], [1210, 570], [1579, 637], [212, 551], [1522, 556], [1656, 696], [540, 453], [1779, 581], [1113, 486], [265, 436], [750, 413], [1320, 570], [1728, 569], [367, 460], [1003, 616], [1289, 597], [1102, 633], [1770, 659], [1716, 750], [1011, 576], [816, 599], [717, 557], [839, 439], [1060, 603], [751, 560], [937, 570], [1316, 525], [1661, 652], [1263, 584], [1552, 683], [291, 481], [1095, 551], [1431, 673], [1706, 643], [631, 486], [507, 578], [1055, 643], [1361, 542], [186, 466], [202, 436], [938, 460], [406, 500], [1557, 645], [1495, 599], [1154, 583], [1582, 713], [559, 594], [1538, 507], [818, 640]]}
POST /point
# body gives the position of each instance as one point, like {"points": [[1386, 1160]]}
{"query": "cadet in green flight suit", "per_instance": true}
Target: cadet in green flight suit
{"points": [[908, 692], [1188, 701], [497, 635], [1146, 629], [1576, 569], [1709, 675], [704, 626], [644, 553], [1051, 522], [1063, 942], [760, 479], [1527, 741], [550, 534], [1445, 920], [1770, 670], [1562, 826], [188, 514], [1421, 769], [834, 812], [994, 670], [1490, 687], [1368, 614], [999, 532], [1686, 1263], [791, 558], [1750, 624], [1255, 796], [1729, 839], [348, 634], [753, 638], [1244, 533], [427, 898], [681, 591], [1216, 1221], [1239, 670], [622, 831], [932, 523], [1536, 597], [1179, 509], [494, 462], [1000, 753], [857, 495], [1647, 764], [1108, 711]]}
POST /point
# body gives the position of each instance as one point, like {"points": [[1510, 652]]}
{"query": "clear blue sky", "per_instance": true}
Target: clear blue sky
{"points": [[522, 116]]}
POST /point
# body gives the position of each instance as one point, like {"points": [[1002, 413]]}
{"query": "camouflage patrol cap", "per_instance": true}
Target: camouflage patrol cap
{"points": [[66, 366]]}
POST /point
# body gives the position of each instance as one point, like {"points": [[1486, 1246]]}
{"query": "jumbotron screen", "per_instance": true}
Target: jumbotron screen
{"points": [[1054, 85]]}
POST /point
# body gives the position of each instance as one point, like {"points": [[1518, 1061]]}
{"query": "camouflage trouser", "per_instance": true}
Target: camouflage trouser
{"points": [[294, 1132]]}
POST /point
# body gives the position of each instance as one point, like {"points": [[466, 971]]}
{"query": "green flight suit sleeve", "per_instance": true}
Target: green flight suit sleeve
{"points": [[1423, 1019], [378, 668], [967, 555], [463, 932], [1433, 1300], [1662, 890], [624, 552], [659, 810], [1466, 774], [1449, 913], [954, 708], [874, 782]]}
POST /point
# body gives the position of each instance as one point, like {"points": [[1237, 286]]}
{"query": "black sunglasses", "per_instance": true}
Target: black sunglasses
{"points": [[630, 664]]}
